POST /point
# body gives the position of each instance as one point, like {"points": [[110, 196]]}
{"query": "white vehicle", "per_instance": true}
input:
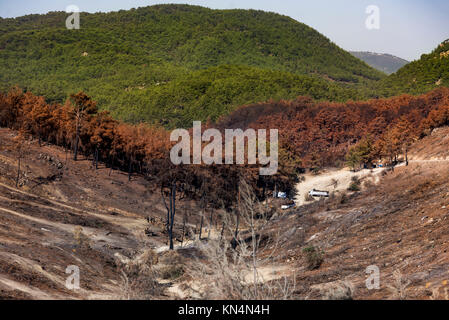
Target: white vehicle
{"points": [[280, 195], [318, 193], [288, 206]]}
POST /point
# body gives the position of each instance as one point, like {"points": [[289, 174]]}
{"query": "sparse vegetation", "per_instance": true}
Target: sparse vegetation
{"points": [[334, 183], [234, 269], [399, 286], [172, 272], [308, 198], [138, 278], [314, 257], [342, 290], [81, 239], [355, 184]]}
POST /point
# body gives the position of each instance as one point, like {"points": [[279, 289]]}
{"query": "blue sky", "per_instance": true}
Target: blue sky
{"points": [[408, 28]]}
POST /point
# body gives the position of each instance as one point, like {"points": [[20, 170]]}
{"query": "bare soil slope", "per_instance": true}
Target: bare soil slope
{"points": [[66, 213], [400, 225]]}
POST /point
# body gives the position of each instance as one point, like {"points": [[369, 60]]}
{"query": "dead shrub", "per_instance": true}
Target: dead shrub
{"points": [[170, 257], [342, 198], [232, 269], [308, 198], [138, 278], [438, 295], [341, 290], [334, 183], [81, 239], [368, 184], [172, 272], [149, 257], [398, 289]]}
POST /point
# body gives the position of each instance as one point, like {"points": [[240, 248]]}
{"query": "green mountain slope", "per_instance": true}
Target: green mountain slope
{"points": [[381, 61], [420, 76], [176, 63]]}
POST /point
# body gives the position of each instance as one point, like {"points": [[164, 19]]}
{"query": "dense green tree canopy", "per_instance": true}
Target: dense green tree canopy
{"points": [[176, 63], [420, 76], [172, 64]]}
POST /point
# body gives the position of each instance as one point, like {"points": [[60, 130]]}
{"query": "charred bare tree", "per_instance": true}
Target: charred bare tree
{"points": [[112, 165], [130, 168], [83, 107], [210, 224], [18, 171], [236, 232], [96, 158], [184, 222], [19, 149], [171, 210]]}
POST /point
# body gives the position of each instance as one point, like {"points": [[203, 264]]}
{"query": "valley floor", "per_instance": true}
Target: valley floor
{"points": [[67, 213]]}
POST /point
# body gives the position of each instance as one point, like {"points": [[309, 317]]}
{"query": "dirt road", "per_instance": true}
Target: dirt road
{"points": [[333, 180]]}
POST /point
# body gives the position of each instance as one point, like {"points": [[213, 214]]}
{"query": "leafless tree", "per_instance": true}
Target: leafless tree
{"points": [[230, 266]]}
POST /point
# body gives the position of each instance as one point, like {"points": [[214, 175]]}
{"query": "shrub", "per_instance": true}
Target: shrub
{"points": [[170, 257], [172, 272], [368, 184], [334, 183], [81, 239], [314, 257], [138, 277], [342, 290], [308, 198], [343, 198], [355, 184]]}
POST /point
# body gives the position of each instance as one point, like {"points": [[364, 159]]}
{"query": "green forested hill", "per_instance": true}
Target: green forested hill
{"points": [[176, 63], [420, 76]]}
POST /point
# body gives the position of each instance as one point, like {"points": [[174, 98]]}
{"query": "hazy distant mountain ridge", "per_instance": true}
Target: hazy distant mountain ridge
{"points": [[381, 61]]}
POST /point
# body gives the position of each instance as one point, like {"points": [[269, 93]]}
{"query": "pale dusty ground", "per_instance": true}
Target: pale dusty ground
{"points": [[265, 274], [324, 181]]}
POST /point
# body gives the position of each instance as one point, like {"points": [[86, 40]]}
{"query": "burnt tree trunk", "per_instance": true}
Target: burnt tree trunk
{"points": [[222, 231], [18, 173], [406, 157], [173, 212], [236, 233], [183, 228], [234, 242], [96, 158], [210, 225], [112, 165], [77, 138], [130, 168], [201, 226]]}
